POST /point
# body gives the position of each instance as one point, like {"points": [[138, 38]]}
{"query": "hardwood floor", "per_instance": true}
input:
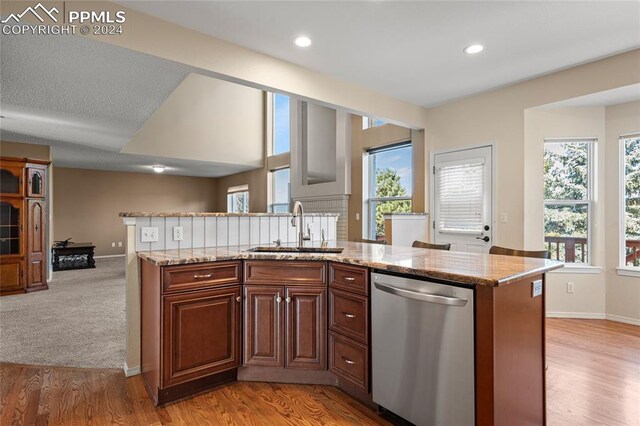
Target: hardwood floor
{"points": [[594, 373], [593, 379]]}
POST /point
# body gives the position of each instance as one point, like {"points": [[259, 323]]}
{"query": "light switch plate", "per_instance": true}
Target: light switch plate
{"points": [[149, 234], [537, 288], [178, 233]]}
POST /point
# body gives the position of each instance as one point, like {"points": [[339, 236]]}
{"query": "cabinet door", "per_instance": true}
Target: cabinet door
{"points": [[36, 182], [11, 232], [306, 327], [11, 274], [201, 334], [11, 180], [263, 340], [36, 245]]}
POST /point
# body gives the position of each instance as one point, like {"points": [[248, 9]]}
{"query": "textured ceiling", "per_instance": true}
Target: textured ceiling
{"points": [[413, 50], [87, 99]]}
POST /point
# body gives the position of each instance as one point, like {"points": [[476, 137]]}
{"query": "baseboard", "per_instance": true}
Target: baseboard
{"points": [[577, 315], [106, 256], [131, 371], [626, 320]]}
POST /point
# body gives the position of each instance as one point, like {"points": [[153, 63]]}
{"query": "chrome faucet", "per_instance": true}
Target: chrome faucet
{"points": [[298, 212]]}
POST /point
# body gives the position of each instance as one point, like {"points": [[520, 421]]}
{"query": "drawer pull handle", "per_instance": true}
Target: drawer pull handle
{"points": [[238, 299], [203, 276], [348, 315], [288, 300], [348, 361], [349, 279]]}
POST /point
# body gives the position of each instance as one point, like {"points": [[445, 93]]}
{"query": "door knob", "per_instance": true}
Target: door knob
{"points": [[485, 238]]}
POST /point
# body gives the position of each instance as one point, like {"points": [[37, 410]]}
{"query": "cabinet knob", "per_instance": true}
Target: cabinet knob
{"points": [[288, 300], [278, 299], [238, 299]]}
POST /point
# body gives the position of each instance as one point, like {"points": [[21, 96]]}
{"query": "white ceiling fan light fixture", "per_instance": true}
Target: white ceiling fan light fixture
{"points": [[473, 49], [302, 41], [158, 168]]}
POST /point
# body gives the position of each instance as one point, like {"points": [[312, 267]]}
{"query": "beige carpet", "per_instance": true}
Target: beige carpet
{"points": [[78, 322]]}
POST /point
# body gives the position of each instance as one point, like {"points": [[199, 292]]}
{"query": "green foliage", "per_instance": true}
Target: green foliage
{"points": [[388, 185], [632, 188]]}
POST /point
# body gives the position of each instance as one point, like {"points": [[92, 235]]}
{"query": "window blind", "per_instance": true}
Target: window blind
{"points": [[460, 197]]}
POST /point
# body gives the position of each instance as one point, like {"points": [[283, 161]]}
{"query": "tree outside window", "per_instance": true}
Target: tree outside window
{"points": [[631, 200]]}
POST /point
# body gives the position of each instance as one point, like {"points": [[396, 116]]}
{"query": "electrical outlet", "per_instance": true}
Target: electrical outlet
{"points": [[504, 218], [178, 233], [148, 234], [357, 216], [536, 288], [119, 243], [113, 244], [570, 287]]}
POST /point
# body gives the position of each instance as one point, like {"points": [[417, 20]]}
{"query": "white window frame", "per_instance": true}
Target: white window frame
{"points": [[233, 191], [623, 269], [591, 149], [371, 186]]}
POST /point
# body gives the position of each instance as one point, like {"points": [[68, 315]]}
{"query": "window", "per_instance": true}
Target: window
{"points": [[368, 122], [631, 200], [280, 191], [238, 199], [389, 185], [281, 129], [460, 189], [568, 177]]}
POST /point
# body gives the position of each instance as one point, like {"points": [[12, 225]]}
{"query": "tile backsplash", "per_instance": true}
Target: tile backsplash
{"points": [[217, 231]]}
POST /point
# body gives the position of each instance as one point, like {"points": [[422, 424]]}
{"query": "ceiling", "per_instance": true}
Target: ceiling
{"points": [[413, 50], [87, 100]]}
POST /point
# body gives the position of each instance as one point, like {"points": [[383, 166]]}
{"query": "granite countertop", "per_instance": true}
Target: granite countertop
{"points": [[213, 214], [464, 268]]}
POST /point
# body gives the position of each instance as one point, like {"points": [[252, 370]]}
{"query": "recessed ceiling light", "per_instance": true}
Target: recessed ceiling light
{"points": [[302, 41], [158, 168], [473, 49]]}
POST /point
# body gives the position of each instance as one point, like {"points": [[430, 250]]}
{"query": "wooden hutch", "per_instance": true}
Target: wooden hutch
{"points": [[23, 219]]}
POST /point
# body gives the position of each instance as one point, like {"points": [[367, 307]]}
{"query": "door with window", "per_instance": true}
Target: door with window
{"points": [[463, 199]]}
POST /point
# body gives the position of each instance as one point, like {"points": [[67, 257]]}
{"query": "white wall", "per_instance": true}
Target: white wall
{"points": [[623, 292], [588, 300]]}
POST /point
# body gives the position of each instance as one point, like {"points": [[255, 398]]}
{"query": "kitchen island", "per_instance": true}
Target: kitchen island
{"points": [[219, 314]]}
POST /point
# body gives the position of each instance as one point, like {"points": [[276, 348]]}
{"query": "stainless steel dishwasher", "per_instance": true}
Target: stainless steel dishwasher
{"points": [[422, 350]]}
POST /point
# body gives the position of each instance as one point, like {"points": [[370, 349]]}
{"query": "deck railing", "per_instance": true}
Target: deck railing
{"points": [[574, 250]]}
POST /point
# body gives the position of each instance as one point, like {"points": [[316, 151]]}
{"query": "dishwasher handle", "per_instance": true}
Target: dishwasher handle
{"points": [[423, 297]]}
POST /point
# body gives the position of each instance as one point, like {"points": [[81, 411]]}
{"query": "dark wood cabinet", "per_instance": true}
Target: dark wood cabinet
{"points": [[36, 245], [306, 323], [191, 339], [263, 343], [201, 333], [23, 225]]}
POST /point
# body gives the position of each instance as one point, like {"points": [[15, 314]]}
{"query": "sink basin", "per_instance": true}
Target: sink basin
{"points": [[296, 249]]}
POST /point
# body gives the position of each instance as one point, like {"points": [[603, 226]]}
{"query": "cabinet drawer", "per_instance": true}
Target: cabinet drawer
{"points": [[350, 278], [349, 314], [349, 360], [189, 277], [285, 272]]}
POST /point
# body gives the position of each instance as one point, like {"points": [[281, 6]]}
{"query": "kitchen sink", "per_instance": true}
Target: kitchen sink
{"points": [[268, 249]]}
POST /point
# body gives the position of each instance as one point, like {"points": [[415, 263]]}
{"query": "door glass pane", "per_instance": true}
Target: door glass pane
{"points": [[565, 232], [461, 198], [9, 229], [9, 183], [36, 183], [566, 170]]}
